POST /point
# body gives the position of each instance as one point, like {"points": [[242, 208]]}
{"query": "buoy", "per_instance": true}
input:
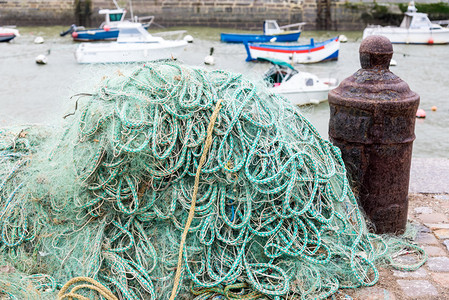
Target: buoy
{"points": [[75, 34], [430, 42], [39, 40], [420, 113], [41, 59], [343, 38], [188, 39], [106, 27], [393, 62], [209, 60], [433, 108]]}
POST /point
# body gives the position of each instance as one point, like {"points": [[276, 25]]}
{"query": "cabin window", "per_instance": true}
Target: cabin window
{"points": [[406, 22], [309, 82], [271, 25], [115, 17], [129, 31]]}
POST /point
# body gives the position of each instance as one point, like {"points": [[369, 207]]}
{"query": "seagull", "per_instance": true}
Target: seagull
{"points": [[209, 60]]}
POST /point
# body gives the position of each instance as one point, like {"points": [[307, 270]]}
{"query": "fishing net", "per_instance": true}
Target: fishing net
{"points": [[108, 196]]}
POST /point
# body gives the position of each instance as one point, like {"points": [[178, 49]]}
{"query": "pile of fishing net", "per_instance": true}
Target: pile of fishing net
{"points": [[108, 196]]}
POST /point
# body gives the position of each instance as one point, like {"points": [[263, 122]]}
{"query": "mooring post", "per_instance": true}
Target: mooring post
{"points": [[372, 121]]}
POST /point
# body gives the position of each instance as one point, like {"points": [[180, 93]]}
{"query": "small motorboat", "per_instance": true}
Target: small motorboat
{"points": [[108, 30], [134, 44], [8, 33], [300, 88], [271, 32], [294, 53], [416, 28]]}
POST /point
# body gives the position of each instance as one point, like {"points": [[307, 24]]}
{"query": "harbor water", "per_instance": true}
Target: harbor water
{"points": [[43, 94]]}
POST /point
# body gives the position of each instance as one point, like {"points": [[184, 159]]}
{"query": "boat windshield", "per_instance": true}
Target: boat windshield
{"points": [[276, 75], [406, 21], [115, 17], [421, 21], [416, 21]]}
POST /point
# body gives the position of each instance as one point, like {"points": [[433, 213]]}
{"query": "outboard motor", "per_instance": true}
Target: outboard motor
{"points": [[70, 30]]}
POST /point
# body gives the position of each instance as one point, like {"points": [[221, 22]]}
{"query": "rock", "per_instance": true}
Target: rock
{"points": [[417, 288], [438, 264]]}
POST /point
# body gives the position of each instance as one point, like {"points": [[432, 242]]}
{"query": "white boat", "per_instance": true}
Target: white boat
{"points": [[134, 44], [300, 88], [415, 28], [8, 33]]}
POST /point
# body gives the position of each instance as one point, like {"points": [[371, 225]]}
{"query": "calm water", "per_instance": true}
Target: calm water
{"points": [[32, 93]]}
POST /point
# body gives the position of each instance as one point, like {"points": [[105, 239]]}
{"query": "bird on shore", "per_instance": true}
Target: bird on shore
{"points": [[209, 60]]}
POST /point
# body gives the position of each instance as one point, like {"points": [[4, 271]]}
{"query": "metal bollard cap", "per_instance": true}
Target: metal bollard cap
{"points": [[375, 52]]}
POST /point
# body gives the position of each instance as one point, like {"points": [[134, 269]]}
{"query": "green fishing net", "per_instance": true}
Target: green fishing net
{"points": [[107, 196]]}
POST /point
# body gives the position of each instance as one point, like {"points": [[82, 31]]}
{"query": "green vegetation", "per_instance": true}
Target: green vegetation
{"points": [[381, 14]]}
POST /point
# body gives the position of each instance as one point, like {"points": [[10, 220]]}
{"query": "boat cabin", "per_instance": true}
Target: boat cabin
{"points": [[415, 20], [135, 33], [271, 27], [112, 16]]}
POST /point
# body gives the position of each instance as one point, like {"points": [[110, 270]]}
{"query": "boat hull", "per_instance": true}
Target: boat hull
{"points": [[95, 35], [296, 54], [304, 97], [6, 37], [259, 38], [128, 52], [98, 34], [410, 36]]}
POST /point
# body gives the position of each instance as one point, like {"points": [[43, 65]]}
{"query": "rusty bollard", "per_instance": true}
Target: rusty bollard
{"points": [[372, 121]]}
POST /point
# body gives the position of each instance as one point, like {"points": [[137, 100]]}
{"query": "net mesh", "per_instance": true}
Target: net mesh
{"points": [[107, 196]]}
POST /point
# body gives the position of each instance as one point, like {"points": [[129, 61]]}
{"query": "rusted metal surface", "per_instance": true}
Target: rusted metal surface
{"points": [[372, 121]]}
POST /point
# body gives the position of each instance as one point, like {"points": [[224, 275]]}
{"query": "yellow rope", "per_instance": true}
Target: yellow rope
{"points": [[94, 285], [207, 144]]}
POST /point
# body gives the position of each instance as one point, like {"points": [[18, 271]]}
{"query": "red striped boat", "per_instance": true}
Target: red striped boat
{"points": [[295, 54], [7, 34]]}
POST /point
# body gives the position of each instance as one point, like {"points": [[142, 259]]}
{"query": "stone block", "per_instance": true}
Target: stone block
{"points": [[426, 238], [423, 210], [433, 218], [437, 225], [422, 228], [374, 293], [421, 272], [438, 264], [442, 233], [434, 250], [441, 278], [417, 288]]}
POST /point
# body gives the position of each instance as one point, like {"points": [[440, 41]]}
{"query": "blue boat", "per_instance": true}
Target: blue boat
{"points": [[108, 30], [272, 32]]}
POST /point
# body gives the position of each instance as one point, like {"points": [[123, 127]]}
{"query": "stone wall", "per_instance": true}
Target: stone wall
{"points": [[36, 12], [248, 14], [243, 14]]}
